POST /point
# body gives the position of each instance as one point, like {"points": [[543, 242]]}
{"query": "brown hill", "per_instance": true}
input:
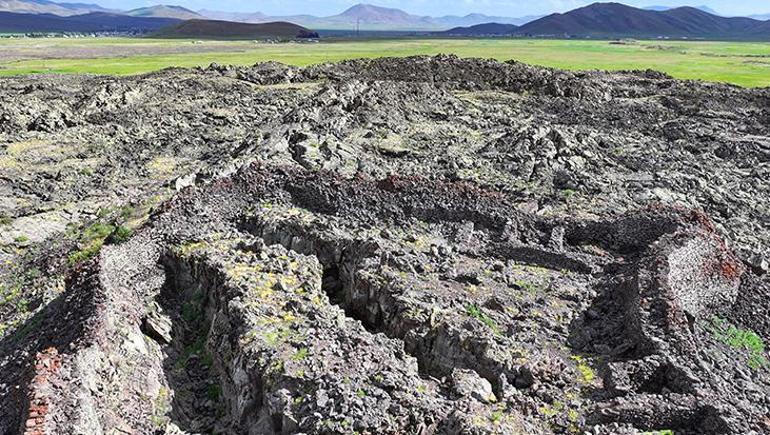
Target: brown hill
{"points": [[213, 29]]}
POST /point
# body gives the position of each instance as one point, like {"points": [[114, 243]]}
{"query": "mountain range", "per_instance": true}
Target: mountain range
{"points": [[599, 20], [49, 7], [611, 20], [361, 16], [370, 17], [86, 23]]}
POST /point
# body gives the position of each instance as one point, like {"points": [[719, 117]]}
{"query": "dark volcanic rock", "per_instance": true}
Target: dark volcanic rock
{"points": [[426, 245]]}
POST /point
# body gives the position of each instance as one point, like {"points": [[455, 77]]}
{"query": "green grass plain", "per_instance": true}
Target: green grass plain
{"points": [[741, 63]]}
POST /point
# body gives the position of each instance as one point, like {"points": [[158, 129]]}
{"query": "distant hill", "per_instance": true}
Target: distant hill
{"points": [[488, 29], [369, 14], [666, 8], [165, 11], [49, 7], [214, 29], [615, 19], [761, 17], [762, 30], [476, 19], [243, 17], [94, 22]]}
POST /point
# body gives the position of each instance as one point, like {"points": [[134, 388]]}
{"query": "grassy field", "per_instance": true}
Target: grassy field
{"points": [[746, 64]]}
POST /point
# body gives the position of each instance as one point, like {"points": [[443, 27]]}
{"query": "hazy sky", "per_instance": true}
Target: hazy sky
{"points": [[513, 8]]}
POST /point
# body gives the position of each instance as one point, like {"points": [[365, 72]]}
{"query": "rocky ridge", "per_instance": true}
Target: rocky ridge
{"points": [[421, 245]]}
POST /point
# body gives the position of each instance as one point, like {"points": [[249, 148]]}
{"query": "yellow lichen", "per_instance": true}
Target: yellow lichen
{"points": [[162, 167], [587, 374]]}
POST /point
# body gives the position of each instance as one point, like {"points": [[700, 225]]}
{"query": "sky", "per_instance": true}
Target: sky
{"points": [[510, 8]]}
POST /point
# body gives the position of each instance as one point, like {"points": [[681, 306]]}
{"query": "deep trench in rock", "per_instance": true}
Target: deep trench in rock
{"points": [[196, 405], [340, 262], [332, 285]]}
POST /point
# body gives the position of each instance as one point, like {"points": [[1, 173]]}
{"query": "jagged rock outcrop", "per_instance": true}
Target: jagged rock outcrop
{"points": [[423, 245]]}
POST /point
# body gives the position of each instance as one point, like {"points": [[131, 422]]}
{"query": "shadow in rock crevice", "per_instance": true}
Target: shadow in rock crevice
{"points": [[194, 403]]}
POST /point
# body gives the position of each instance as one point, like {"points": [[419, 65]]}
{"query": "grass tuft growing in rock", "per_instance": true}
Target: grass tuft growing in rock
{"points": [[300, 354], [121, 234], [476, 312]]}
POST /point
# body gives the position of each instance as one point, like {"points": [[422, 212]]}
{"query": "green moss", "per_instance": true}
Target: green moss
{"points": [[196, 348], [87, 252], [91, 241], [31, 325], [214, 392], [192, 310], [33, 273]]}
